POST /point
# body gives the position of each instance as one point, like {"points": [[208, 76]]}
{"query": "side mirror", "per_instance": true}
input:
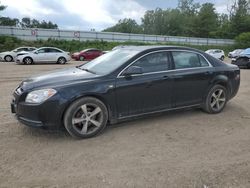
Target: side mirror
{"points": [[133, 70], [35, 52]]}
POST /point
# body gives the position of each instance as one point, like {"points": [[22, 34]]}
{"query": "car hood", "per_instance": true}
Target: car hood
{"points": [[58, 78], [7, 52]]}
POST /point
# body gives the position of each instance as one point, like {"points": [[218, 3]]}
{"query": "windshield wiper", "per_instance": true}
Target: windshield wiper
{"points": [[87, 70]]}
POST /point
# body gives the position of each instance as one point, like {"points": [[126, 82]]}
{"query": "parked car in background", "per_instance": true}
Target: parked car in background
{"points": [[124, 84], [235, 53], [9, 56], [44, 55], [243, 60], [217, 53], [87, 54]]}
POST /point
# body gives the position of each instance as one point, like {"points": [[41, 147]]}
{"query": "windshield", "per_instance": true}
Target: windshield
{"points": [[246, 51], [108, 62]]}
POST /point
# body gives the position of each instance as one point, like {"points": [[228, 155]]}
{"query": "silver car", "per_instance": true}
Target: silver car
{"points": [[44, 55], [9, 56]]}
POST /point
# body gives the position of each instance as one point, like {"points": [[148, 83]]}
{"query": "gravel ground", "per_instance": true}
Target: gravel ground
{"points": [[177, 149]]}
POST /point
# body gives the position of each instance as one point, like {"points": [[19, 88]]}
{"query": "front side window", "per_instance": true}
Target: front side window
{"points": [[41, 51], [154, 62], [183, 60]]}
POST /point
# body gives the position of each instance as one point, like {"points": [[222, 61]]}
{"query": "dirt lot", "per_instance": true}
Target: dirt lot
{"points": [[178, 149]]}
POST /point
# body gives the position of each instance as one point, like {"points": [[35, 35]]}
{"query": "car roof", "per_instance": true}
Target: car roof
{"points": [[50, 47], [157, 47]]}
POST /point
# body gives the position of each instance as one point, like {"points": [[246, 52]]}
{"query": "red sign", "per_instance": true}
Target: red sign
{"points": [[34, 32], [77, 34]]}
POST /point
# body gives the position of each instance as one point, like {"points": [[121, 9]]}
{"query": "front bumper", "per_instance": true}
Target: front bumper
{"points": [[47, 115]]}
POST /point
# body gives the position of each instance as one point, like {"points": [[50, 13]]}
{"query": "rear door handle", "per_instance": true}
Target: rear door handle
{"points": [[208, 72]]}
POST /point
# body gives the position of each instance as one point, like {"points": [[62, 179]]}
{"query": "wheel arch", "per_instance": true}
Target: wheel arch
{"points": [[28, 57], [8, 55], [99, 97], [222, 80]]}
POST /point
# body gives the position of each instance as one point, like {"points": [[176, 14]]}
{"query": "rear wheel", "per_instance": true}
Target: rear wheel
{"points": [[216, 99], [28, 61], [86, 117], [8, 58], [61, 60]]}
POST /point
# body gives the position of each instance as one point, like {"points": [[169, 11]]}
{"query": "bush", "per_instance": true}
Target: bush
{"points": [[243, 40]]}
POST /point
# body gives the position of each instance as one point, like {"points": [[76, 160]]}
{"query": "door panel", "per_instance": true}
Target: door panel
{"points": [[145, 93], [190, 86], [191, 78]]}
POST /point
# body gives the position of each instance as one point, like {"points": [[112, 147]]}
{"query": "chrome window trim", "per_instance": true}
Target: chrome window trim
{"points": [[178, 50]]}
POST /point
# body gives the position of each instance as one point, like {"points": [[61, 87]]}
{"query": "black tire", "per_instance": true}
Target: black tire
{"points": [[61, 60], [81, 58], [222, 58], [8, 58], [80, 125], [215, 101], [28, 61]]}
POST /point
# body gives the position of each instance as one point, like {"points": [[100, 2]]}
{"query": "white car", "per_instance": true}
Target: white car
{"points": [[235, 53], [217, 53], [11, 55], [44, 55]]}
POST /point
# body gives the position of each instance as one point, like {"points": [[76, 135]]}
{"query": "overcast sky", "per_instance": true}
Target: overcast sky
{"points": [[87, 14]]}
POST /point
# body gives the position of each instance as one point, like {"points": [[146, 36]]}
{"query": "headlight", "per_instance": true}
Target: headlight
{"points": [[39, 96]]}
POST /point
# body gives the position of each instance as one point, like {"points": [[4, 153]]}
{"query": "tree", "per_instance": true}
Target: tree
{"points": [[243, 40], [240, 17], [28, 23], [188, 7], [2, 7], [125, 26], [9, 21], [206, 21]]}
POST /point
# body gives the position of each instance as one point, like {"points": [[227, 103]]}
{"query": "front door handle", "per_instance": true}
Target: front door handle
{"points": [[165, 77]]}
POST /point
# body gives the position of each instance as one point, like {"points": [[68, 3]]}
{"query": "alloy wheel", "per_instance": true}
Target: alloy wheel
{"points": [[8, 58], [28, 61], [62, 60], [87, 119], [218, 99]]}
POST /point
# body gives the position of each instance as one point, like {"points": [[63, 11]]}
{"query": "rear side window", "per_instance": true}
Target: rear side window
{"points": [[183, 60], [52, 50], [154, 62]]}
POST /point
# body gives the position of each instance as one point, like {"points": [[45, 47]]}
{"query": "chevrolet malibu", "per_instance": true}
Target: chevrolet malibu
{"points": [[124, 84]]}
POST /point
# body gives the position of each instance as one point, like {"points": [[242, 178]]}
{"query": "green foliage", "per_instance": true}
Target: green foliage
{"points": [[243, 40], [9, 43], [206, 21], [2, 7], [240, 18], [125, 26], [25, 22], [193, 19]]}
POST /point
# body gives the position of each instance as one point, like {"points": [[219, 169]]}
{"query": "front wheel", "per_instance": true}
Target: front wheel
{"points": [[86, 117], [216, 99], [81, 58], [222, 58], [28, 61]]}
